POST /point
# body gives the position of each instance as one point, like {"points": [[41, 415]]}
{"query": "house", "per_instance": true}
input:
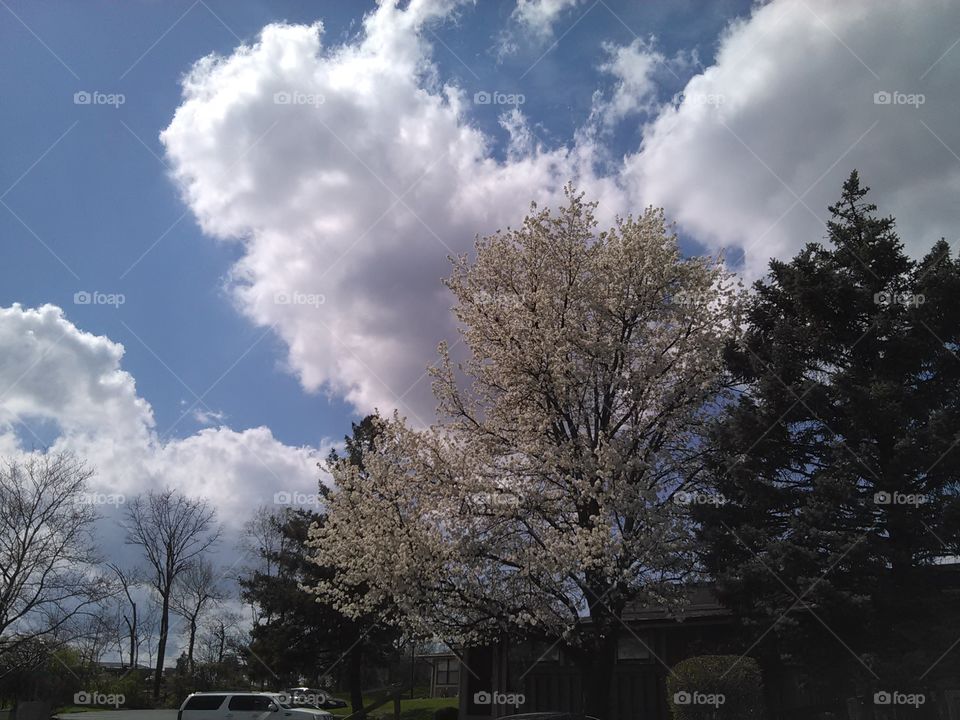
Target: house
{"points": [[119, 668], [511, 677], [444, 672], [443, 668], [534, 677]]}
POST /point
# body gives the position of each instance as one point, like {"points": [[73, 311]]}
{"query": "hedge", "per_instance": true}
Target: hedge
{"points": [[716, 687]]}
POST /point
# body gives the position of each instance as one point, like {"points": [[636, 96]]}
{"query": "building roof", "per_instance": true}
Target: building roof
{"points": [[702, 603]]}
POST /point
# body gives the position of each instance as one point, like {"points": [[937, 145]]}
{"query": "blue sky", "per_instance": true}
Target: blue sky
{"points": [[101, 198], [91, 183]]}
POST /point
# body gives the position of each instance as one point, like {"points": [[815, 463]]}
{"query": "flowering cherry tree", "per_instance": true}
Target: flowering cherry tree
{"points": [[542, 502]]}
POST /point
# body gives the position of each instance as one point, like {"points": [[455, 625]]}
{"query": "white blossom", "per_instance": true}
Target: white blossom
{"points": [[544, 491]]}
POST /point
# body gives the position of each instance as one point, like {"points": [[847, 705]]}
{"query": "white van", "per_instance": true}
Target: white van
{"points": [[235, 705]]}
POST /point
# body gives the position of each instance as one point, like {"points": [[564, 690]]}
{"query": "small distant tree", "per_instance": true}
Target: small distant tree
{"points": [[127, 580], [173, 532], [219, 635], [98, 629], [195, 592], [261, 541]]}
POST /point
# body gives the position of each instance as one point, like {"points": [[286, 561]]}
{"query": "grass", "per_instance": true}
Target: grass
{"points": [[416, 709], [79, 709]]}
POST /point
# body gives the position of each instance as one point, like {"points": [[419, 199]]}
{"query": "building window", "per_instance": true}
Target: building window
{"points": [[550, 653], [448, 671], [633, 648]]}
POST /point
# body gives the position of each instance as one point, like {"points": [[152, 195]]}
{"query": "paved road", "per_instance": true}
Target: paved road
{"points": [[121, 715]]}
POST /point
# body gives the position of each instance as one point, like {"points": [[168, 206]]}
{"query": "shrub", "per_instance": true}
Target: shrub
{"points": [[446, 713], [716, 687], [135, 690]]}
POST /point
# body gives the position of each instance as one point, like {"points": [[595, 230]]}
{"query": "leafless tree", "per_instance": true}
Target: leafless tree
{"points": [[147, 625], [196, 590], [218, 635], [96, 633], [48, 575], [128, 580], [173, 531], [262, 540]]}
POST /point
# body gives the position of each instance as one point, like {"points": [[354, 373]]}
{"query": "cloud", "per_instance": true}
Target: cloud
{"points": [[209, 417], [532, 24], [760, 142], [633, 65], [349, 173], [639, 70], [540, 16], [54, 374]]}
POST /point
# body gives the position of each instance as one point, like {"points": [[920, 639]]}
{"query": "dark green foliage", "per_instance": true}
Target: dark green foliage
{"points": [[298, 637], [295, 635], [840, 461], [716, 687], [447, 713]]}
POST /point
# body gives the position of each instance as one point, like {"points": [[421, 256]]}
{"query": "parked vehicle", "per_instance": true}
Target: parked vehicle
{"points": [[237, 705], [549, 716], [313, 697]]}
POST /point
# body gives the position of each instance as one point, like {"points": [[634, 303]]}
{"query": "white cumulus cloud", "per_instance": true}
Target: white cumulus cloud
{"points": [[762, 139], [54, 375], [348, 172], [351, 172]]}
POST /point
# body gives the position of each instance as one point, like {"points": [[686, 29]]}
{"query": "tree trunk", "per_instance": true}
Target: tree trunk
{"points": [[222, 641], [134, 643], [193, 636], [161, 645], [597, 665], [598, 660], [355, 665]]}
